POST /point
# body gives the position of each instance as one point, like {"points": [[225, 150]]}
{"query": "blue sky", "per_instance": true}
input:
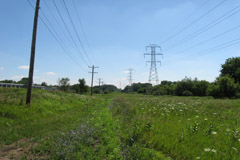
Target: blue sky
{"points": [[114, 36]]}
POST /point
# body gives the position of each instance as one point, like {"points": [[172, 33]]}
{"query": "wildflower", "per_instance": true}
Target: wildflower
{"points": [[207, 149], [214, 151], [197, 116], [188, 119], [215, 113], [205, 119], [214, 133], [180, 110], [197, 157], [239, 140]]}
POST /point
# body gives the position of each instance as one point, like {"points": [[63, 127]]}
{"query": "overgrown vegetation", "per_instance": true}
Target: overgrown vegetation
{"points": [[62, 125]]}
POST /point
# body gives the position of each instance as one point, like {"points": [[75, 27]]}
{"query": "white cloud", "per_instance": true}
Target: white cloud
{"points": [[23, 67], [17, 77], [50, 73], [1, 68]]}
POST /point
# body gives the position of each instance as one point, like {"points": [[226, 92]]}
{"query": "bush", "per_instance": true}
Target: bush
{"points": [[227, 87], [213, 90], [224, 87]]}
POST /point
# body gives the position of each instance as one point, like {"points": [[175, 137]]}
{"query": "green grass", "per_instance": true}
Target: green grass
{"points": [[182, 127], [120, 126]]}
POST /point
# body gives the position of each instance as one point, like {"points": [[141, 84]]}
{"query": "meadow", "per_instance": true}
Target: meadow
{"points": [[62, 125]]}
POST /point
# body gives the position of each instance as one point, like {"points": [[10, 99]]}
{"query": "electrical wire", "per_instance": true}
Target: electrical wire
{"points": [[194, 22], [205, 28], [210, 50], [75, 30], [205, 41], [83, 30], [66, 27], [54, 36]]}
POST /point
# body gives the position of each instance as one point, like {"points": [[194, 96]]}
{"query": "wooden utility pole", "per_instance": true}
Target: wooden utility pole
{"points": [[92, 77], [31, 67], [99, 85]]}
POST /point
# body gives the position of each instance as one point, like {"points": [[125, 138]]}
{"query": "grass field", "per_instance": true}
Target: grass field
{"points": [[117, 126]]}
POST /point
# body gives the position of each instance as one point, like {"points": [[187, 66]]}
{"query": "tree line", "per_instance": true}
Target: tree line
{"points": [[64, 85], [226, 85]]}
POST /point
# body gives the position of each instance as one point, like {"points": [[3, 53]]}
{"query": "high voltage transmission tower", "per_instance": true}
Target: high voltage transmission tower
{"points": [[153, 74], [130, 76], [130, 70]]}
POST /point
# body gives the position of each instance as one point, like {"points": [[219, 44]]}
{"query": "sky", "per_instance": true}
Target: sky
{"points": [[195, 36]]}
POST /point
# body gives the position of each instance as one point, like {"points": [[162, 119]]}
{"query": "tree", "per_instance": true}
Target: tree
{"points": [[44, 84], [223, 87], [24, 80], [200, 87], [227, 87], [82, 86], [232, 68], [8, 81], [213, 90], [184, 85], [64, 83]]}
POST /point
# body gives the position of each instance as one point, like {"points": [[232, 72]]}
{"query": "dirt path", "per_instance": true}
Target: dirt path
{"points": [[18, 150]]}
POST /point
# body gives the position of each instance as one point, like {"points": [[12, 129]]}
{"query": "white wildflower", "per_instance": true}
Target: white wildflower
{"points": [[205, 119], [197, 157], [214, 151], [207, 149], [214, 133], [197, 116]]}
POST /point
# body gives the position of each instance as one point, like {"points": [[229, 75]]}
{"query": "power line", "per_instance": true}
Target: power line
{"points": [[218, 47], [205, 28], [83, 30], [61, 45], [55, 18], [59, 37], [205, 41], [195, 21], [75, 30], [66, 27]]}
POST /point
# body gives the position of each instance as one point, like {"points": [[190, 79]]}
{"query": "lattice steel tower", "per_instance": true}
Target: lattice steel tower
{"points": [[153, 74], [130, 76]]}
